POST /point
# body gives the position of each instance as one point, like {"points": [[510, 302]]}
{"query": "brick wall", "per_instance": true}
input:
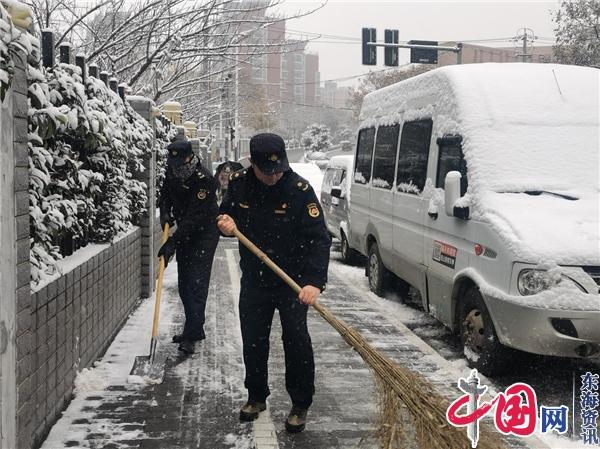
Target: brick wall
{"points": [[15, 310], [47, 336], [24, 336], [72, 322]]}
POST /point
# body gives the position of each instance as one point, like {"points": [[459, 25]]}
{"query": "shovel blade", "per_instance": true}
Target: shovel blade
{"points": [[150, 371]]}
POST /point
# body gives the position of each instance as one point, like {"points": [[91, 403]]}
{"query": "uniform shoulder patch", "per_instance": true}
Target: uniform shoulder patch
{"points": [[313, 210], [302, 184], [238, 174]]}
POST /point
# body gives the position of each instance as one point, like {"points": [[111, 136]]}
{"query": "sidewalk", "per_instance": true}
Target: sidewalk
{"points": [[197, 405]]}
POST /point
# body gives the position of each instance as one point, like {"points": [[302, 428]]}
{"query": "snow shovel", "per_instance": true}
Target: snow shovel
{"points": [[151, 367]]}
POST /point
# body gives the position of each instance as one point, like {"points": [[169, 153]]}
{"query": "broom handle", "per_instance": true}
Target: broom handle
{"points": [[161, 272], [272, 265]]}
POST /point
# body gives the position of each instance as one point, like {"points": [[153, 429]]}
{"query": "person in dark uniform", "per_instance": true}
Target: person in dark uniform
{"points": [[279, 212], [222, 175], [188, 199]]}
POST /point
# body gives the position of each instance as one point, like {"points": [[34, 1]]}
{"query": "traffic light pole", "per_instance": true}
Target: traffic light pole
{"points": [[457, 49], [236, 117]]}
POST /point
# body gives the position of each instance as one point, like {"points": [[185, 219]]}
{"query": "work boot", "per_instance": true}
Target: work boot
{"points": [[178, 338], [296, 420], [187, 346], [251, 409]]}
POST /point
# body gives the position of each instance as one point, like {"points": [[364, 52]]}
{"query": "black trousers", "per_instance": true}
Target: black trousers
{"points": [[194, 264], [257, 307]]}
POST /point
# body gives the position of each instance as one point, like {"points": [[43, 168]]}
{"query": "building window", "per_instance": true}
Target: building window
{"points": [[259, 68], [413, 156], [284, 66]]}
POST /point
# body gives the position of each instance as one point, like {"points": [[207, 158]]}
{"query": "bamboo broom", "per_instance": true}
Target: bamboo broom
{"points": [[398, 388]]}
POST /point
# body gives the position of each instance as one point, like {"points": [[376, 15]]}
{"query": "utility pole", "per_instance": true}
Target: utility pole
{"points": [[527, 37], [236, 120]]}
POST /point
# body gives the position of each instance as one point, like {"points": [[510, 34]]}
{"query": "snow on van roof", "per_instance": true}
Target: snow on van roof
{"points": [[531, 139], [341, 161], [524, 126]]}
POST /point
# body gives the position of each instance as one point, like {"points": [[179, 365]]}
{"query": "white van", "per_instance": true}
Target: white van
{"points": [[335, 195], [479, 186]]}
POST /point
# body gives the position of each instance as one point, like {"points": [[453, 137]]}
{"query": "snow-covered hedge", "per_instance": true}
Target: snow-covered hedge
{"points": [[85, 148], [11, 39], [165, 134]]}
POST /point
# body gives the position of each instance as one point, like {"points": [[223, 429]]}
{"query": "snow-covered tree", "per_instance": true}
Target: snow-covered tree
{"points": [[315, 138], [578, 33], [168, 49]]}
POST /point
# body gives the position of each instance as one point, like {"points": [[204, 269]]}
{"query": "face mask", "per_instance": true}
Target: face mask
{"points": [[186, 170]]}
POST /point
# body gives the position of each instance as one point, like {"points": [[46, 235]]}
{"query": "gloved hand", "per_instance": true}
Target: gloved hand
{"points": [[166, 217], [167, 250]]}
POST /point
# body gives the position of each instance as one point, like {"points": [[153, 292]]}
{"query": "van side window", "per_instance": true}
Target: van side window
{"points": [[328, 179], [337, 178], [451, 159], [385, 156], [414, 153], [364, 155]]}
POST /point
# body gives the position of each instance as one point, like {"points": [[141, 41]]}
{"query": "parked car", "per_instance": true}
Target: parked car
{"points": [[319, 158], [478, 185], [335, 194], [346, 145]]}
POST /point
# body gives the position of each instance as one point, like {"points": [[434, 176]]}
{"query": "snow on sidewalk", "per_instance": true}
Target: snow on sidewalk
{"points": [[93, 385], [195, 406]]}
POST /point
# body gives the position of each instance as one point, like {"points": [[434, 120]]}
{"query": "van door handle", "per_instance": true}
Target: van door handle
{"points": [[433, 215]]}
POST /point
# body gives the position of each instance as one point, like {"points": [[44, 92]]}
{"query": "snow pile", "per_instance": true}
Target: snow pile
{"points": [[234, 441], [527, 129], [86, 148], [88, 381]]}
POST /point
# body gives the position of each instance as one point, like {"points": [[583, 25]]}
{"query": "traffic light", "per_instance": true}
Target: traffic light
{"points": [[391, 54], [422, 55], [369, 53], [232, 133]]}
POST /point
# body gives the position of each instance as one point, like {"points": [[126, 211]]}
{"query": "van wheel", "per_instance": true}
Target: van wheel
{"points": [[481, 346], [349, 255], [378, 274]]}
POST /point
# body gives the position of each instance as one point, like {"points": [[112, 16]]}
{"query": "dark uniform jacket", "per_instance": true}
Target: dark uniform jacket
{"points": [[286, 222], [192, 203]]}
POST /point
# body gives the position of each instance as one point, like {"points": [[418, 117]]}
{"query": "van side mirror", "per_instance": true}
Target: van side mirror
{"points": [[452, 195], [336, 192]]}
